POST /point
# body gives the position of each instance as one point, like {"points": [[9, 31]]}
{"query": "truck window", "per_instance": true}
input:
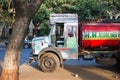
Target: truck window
{"points": [[59, 34], [72, 31]]}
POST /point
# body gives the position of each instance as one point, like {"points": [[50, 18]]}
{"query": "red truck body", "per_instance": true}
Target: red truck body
{"points": [[100, 41], [99, 36]]}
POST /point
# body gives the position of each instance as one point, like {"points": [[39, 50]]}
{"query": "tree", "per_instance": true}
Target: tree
{"points": [[114, 8], [86, 9], [24, 13], [53, 6]]}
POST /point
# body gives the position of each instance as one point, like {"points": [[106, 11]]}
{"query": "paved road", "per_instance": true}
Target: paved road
{"points": [[83, 72], [24, 55], [86, 70]]}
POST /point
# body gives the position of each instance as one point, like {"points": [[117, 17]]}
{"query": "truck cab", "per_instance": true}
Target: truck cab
{"points": [[60, 44], [99, 41]]}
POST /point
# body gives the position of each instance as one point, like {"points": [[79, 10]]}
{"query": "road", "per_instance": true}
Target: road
{"points": [[73, 70]]}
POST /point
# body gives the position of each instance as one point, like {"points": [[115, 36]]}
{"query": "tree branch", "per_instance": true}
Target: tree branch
{"points": [[34, 6], [117, 15]]}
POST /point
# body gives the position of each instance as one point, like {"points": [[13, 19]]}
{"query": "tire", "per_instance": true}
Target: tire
{"points": [[117, 64], [117, 57], [49, 62], [106, 61], [26, 46]]}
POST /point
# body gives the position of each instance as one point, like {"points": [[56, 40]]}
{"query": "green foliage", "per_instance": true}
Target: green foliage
{"points": [[91, 9], [45, 29], [53, 6], [86, 9], [5, 15]]}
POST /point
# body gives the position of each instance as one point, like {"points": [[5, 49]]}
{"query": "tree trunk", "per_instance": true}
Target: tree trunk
{"points": [[24, 13], [10, 69]]}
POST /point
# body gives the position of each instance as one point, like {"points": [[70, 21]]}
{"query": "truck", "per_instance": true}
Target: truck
{"points": [[70, 39]]}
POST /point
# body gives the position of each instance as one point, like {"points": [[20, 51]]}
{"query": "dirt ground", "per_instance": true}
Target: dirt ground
{"points": [[69, 72]]}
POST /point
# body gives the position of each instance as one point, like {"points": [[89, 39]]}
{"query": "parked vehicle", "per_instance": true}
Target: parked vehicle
{"points": [[27, 43], [101, 40], [70, 40]]}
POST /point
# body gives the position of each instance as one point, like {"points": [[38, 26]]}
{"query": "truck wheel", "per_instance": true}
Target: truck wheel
{"points": [[118, 63], [117, 57], [49, 62], [106, 61]]}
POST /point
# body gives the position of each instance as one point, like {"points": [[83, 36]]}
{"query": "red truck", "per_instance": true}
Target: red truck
{"points": [[101, 40], [69, 39]]}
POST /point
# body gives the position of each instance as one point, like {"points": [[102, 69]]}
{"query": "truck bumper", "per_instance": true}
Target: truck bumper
{"points": [[32, 58]]}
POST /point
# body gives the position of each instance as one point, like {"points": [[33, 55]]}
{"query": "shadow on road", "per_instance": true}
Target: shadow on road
{"points": [[89, 72], [115, 69], [85, 72]]}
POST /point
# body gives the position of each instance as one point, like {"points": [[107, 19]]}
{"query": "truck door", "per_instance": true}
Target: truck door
{"points": [[72, 39]]}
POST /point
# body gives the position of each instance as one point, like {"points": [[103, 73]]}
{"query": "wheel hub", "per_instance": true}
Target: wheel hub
{"points": [[49, 63]]}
